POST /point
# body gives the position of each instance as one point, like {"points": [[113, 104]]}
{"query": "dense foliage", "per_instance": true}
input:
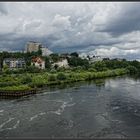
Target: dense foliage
{"points": [[80, 69]]}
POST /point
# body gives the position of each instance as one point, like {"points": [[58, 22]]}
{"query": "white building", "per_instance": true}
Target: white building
{"points": [[38, 62], [46, 51], [95, 58], [62, 63], [14, 62], [92, 58], [83, 56]]}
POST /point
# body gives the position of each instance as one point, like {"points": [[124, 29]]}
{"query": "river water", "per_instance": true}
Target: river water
{"points": [[108, 108]]}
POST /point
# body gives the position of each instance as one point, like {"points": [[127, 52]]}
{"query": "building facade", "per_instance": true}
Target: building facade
{"points": [[46, 51], [62, 63], [95, 58], [14, 62], [33, 46], [38, 62]]}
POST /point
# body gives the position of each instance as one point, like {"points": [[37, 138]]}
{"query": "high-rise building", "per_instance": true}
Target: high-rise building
{"points": [[33, 46], [36, 46], [46, 51]]}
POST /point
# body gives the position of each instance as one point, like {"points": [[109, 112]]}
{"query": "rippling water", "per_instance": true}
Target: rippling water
{"points": [[108, 108]]}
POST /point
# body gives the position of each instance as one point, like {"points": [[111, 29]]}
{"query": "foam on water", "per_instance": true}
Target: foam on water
{"points": [[3, 124], [13, 127], [62, 108], [37, 115], [1, 111]]}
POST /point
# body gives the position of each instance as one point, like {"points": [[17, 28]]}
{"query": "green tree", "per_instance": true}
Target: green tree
{"points": [[132, 69], [61, 76], [47, 63], [55, 57], [99, 65], [77, 61], [75, 54], [5, 68]]}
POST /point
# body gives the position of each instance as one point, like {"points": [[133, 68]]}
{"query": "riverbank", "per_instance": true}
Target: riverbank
{"points": [[30, 81]]}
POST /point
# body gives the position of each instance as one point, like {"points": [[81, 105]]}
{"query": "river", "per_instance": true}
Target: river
{"points": [[108, 108]]}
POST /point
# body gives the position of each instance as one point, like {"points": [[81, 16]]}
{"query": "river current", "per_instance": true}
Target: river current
{"points": [[106, 108]]}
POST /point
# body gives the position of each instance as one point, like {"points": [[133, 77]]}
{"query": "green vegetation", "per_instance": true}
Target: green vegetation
{"points": [[15, 88], [33, 80], [79, 70]]}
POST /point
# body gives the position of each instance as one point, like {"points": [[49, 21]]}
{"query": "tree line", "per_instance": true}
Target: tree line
{"points": [[75, 62]]}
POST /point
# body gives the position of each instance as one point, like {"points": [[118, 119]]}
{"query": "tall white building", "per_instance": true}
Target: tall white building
{"points": [[46, 51]]}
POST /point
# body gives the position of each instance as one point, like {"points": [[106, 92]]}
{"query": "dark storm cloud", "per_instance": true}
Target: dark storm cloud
{"points": [[127, 21]]}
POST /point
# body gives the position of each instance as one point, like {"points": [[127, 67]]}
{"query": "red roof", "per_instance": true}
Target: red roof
{"points": [[37, 59]]}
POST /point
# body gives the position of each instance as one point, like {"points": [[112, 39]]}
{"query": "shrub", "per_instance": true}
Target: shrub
{"points": [[61, 76], [53, 71], [51, 77], [132, 69], [8, 83], [92, 70], [25, 80]]}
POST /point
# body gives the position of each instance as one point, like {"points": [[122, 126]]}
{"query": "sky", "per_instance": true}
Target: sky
{"points": [[108, 29]]}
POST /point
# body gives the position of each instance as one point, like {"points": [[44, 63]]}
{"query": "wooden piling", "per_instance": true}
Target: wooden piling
{"points": [[17, 93]]}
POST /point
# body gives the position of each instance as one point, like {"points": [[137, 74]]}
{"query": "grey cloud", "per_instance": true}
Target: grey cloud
{"points": [[104, 28], [127, 21], [3, 9]]}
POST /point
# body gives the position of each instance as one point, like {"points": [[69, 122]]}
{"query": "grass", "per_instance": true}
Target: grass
{"points": [[15, 88], [27, 81]]}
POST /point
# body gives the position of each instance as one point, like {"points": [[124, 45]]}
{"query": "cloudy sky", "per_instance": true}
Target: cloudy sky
{"points": [[108, 29]]}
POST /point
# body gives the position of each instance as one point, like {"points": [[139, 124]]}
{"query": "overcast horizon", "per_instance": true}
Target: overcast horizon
{"points": [[108, 29]]}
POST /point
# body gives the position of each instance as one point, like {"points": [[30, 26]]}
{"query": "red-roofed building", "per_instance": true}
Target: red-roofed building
{"points": [[38, 62]]}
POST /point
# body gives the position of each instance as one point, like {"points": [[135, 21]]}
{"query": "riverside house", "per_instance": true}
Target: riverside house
{"points": [[38, 62], [61, 63], [14, 62]]}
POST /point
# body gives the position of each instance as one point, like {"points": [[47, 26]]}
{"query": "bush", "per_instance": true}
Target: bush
{"points": [[132, 69], [33, 69], [51, 77], [61, 76], [53, 71], [92, 70], [8, 83], [27, 79]]}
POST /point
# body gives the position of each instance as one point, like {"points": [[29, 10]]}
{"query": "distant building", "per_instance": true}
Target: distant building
{"points": [[65, 55], [95, 58], [62, 63], [38, 62], [118, 59], [104, 59], [14, 62], [91, 58], [46, 51], [83, 56], [36, 46], [33, 46]]}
